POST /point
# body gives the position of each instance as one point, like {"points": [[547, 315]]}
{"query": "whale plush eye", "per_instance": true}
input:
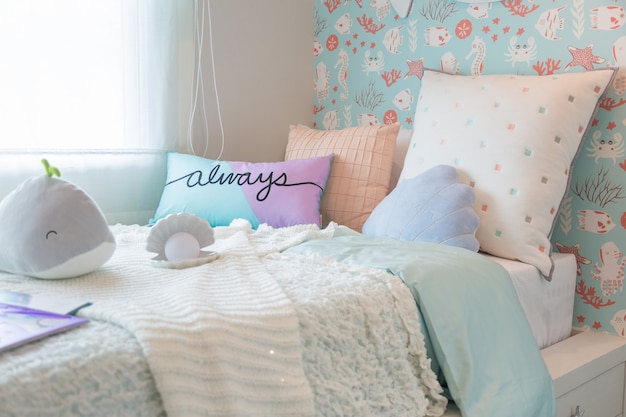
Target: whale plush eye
{"points": [[51, 233]]}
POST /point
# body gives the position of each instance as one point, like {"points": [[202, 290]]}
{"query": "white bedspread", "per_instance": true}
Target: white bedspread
{"points": [[237, 337]]}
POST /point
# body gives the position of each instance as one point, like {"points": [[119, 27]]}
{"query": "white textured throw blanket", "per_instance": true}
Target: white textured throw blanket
{"points": [[247, 334]]}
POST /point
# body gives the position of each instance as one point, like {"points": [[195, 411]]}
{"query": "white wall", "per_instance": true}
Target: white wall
{"points": [[263, 54]]}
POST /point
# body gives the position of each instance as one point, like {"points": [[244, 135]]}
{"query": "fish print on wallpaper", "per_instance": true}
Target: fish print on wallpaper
{"points": [[368, 64]]}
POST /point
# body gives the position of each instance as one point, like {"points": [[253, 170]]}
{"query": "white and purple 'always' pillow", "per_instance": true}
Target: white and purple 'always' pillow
{"points": [[277, 193]]}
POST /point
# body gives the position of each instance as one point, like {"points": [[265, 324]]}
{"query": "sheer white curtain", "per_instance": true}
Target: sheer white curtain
{"points": [[95, 74]]}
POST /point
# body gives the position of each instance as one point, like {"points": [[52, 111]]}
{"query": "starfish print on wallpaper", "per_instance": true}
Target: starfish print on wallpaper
{"points": [[415, 68], [574, 250], [583, 57]]}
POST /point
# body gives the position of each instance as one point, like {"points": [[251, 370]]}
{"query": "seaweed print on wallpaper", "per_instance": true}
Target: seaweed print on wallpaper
{"points": [[368, 65]]}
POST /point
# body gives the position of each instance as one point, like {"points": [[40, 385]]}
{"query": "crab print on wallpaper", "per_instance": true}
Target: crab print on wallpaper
{"points": [[367, 70]]}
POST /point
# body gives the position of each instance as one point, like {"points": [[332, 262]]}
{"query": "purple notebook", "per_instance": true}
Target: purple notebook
{"points": [[19, 325]]}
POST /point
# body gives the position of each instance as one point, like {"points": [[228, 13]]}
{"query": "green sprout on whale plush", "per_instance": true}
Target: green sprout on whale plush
{"points": [[52, 229], [50, 170]]}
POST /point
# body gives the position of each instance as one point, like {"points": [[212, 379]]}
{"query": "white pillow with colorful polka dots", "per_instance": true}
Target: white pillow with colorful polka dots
{"points": [[514, 139]]}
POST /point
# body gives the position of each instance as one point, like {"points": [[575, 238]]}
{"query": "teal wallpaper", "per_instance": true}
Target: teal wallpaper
{"points": [[367, 70]]}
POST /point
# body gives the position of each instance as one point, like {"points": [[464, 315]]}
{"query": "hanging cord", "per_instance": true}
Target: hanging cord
{"points": [[198, 84], [217, 99], [196, 77]]}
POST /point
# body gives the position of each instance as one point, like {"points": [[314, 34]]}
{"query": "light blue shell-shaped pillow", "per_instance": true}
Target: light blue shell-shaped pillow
{"points": [[431, 207]]}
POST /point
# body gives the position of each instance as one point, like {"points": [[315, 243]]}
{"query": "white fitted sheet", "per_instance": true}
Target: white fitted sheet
{"points": [[549, 305]]}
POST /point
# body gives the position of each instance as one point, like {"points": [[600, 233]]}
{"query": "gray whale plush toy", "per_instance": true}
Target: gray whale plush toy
{"points": [[51, 229]]}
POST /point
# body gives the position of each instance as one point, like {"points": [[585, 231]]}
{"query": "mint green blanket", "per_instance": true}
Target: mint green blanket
{"points": [[478, 333]]}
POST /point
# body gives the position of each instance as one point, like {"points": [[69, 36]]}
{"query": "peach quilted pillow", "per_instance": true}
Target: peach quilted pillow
{"points": [[360, 172]]}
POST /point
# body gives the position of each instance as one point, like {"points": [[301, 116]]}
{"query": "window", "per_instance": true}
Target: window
{"points": [[93, 74]]}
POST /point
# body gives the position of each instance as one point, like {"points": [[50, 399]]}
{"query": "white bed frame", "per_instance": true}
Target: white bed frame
{"points": [[588, 370]]}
